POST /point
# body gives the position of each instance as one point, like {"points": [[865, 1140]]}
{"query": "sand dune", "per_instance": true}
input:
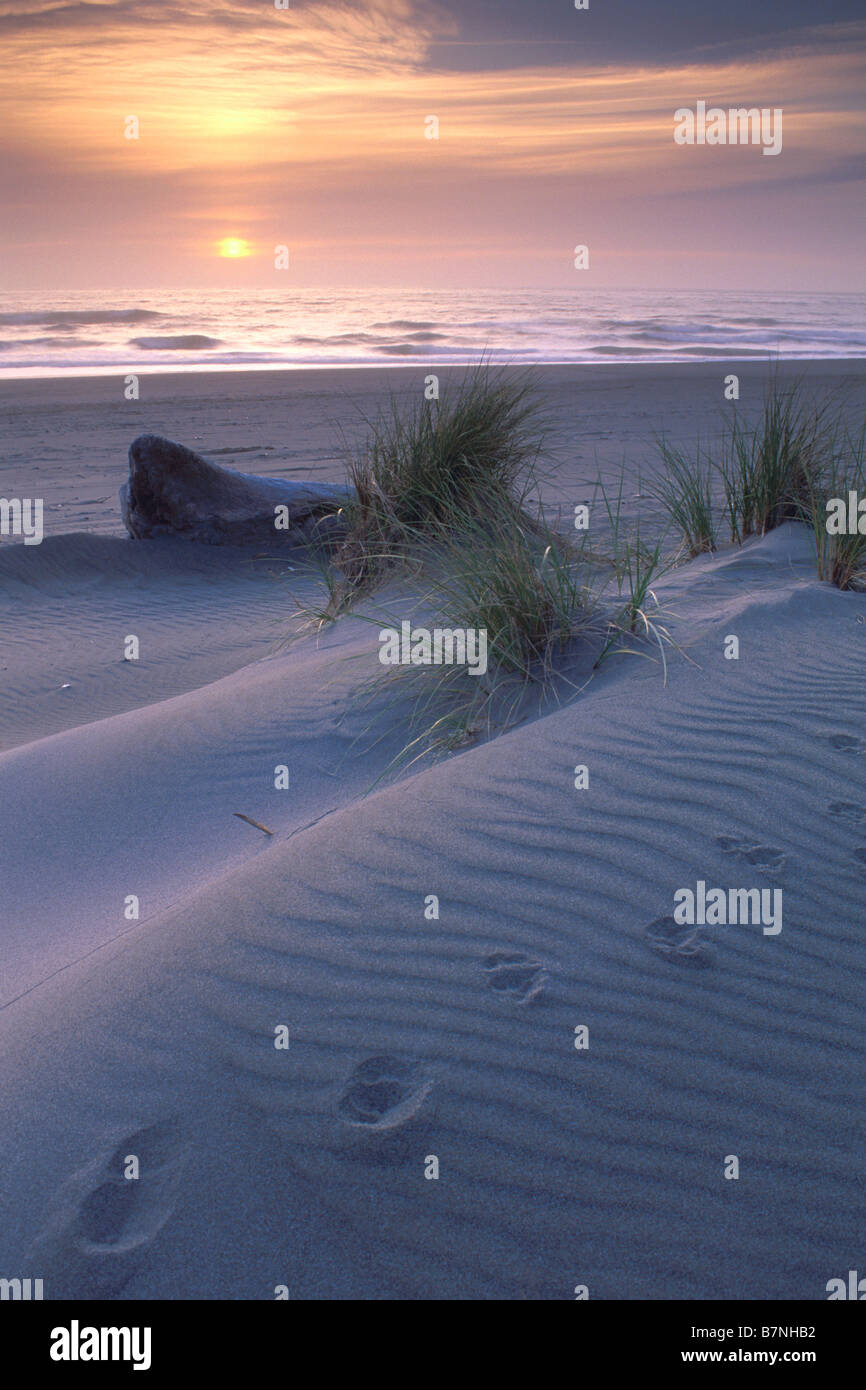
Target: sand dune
{"points": [[454, 1038]]}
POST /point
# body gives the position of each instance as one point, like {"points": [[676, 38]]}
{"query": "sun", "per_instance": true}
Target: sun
{"points": [[234, 246]]}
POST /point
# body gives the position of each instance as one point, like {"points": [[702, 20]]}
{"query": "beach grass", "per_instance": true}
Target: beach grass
{"points": [[840, 554], [443, 498], [684, 488], [439, 462], [635, 563], [529, 590], [526, 585], [784, 468], [768, 471]]}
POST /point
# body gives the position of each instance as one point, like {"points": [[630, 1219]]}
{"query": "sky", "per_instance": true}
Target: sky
{"points": [[308, 127]]}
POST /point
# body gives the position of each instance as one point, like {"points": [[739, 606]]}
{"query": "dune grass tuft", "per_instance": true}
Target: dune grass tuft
{"points": [[768, 472], [529, 591], [521, 582], [434, 462], [635, 563], [684, 488]]}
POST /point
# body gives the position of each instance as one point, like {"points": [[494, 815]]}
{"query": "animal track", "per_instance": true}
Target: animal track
{"points": [[848, 743], [761, 856], [848, 810], [509, 972], [679, 943], [382, 1093]]}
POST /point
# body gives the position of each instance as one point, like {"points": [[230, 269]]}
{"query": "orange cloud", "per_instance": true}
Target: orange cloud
{"points": [[308, 125]]}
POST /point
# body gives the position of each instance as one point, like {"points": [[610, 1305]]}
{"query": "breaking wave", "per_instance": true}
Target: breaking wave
{"points": [[223, 329]]}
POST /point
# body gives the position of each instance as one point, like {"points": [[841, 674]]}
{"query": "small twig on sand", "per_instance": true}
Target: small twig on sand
{"points": [[249, 820]]}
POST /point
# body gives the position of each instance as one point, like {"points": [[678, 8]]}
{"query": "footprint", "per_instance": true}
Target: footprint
{"points": [[154, 1147], [731, 846], [382, 1093], [509, 972], [679, 943], [763, 857], [848, 810], [107, 1212], [848, 743], [103, 1223], [861, 854], [119, 1211], [760, 856]]}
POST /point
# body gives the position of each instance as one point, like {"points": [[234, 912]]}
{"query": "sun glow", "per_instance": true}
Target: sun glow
{"points": [[234, 246]]}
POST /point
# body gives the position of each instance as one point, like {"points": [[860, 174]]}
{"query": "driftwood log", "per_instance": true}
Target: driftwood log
{"points": [[172, 491]]}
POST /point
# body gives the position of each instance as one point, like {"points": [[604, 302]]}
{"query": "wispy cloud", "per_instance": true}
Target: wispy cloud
{"points": [[316, 115]]}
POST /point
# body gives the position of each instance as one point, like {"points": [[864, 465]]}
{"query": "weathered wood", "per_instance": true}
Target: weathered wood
{"points": [[174, 492]]}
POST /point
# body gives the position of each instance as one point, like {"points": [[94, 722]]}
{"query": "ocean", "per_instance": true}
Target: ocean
{"points": [[91, 333]]}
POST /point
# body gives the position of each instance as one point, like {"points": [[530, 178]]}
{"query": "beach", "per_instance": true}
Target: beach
{"points": [[247, 987], [70, 434]]}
